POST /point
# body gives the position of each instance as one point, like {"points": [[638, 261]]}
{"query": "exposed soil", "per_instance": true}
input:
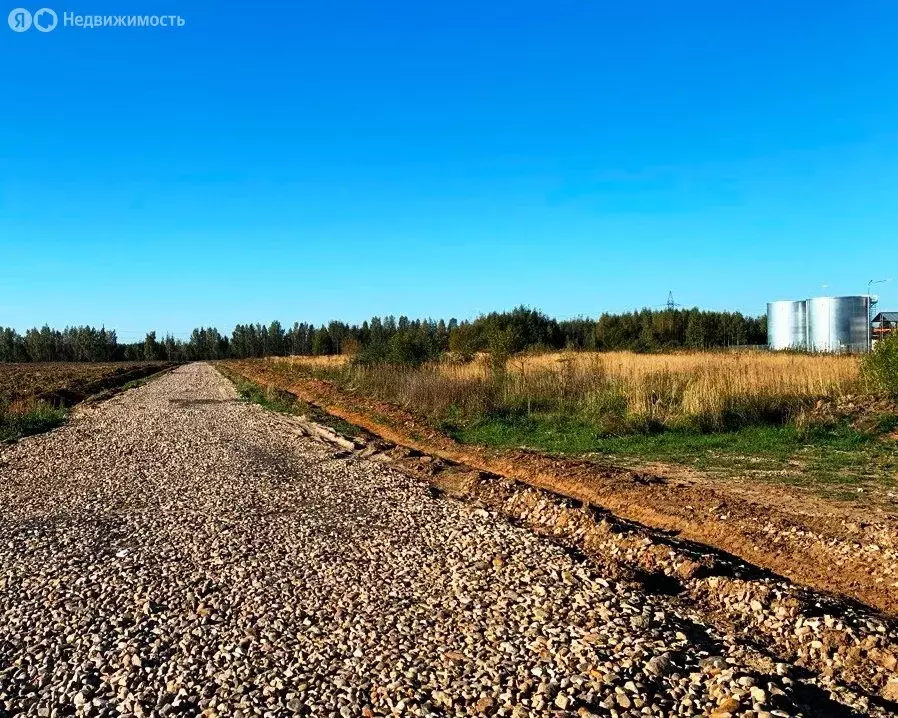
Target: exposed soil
{"points": [[66, 384], [836, 547]]}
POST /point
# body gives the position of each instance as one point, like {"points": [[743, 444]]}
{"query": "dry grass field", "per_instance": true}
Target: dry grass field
{"points": [[330, 361], [706, 390], [672, 386], [804, 419]]}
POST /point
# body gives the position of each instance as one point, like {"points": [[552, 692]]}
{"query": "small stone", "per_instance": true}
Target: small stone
{"points": [[659, 666], [728, 705], [713, 664], [758, 695], [890, 692], [485, 705]]}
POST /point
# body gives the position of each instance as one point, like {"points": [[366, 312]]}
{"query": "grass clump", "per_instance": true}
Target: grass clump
{"points": [[270, 397], [880, 367], [275, 399], [24, 419]]}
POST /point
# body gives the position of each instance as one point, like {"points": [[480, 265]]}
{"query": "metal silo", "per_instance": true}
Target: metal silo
{"points": [[787, 325], [838, 324]]}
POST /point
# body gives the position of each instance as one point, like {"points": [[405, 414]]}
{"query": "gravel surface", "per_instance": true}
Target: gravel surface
{"points": [[174, 551]]}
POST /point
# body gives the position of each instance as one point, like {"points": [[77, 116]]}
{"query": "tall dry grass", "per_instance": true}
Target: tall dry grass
{"points": [[329, 361], [617, 391]]}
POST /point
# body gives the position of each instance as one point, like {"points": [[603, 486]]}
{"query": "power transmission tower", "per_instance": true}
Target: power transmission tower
{"points": [[671, 304]]}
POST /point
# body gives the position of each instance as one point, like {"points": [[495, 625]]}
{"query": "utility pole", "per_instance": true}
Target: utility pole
{"points": [[870, 309]]}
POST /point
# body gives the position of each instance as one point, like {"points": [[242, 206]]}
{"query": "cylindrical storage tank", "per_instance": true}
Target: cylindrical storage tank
{"points": [[839, 324], [787, 325]]}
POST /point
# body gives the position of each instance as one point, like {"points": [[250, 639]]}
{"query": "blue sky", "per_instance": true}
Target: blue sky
{"points": [[339, 159]]}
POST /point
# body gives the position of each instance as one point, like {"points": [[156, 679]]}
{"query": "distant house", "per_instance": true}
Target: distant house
{"points": [[884, 323]]}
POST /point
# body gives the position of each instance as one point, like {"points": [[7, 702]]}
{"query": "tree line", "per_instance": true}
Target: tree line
{"points": [[81, 344], [402, 340]]}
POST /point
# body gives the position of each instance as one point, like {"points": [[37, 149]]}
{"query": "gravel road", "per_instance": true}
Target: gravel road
{"points": [[174, 551]]}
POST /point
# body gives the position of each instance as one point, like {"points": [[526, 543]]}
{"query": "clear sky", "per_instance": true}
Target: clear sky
{"points": [[318, 160]]}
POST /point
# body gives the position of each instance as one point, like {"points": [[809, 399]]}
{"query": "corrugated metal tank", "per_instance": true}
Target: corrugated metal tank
{"points": [[787, 325], [838, 324]]}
